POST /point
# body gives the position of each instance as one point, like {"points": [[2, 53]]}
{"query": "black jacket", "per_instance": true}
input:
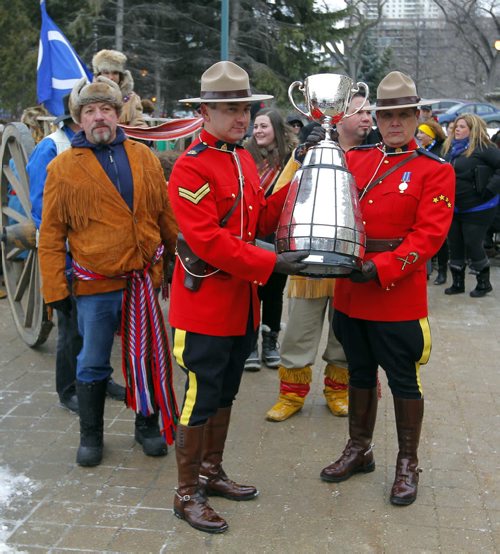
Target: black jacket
{"points": [[467, 172], [436, 149]]}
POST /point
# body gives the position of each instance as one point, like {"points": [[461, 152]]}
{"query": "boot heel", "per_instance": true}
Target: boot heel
{"points": [[369, 468]]}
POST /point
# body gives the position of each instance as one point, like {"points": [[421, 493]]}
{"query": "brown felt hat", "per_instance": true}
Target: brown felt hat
{"points": [[397, 90], [226, 82]]}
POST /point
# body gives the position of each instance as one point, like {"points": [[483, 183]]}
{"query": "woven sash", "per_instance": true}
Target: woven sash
{"points": [[146, 362], [268, 177]]}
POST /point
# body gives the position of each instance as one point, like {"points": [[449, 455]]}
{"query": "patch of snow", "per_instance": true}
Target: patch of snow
{"points": [[11, 487]]}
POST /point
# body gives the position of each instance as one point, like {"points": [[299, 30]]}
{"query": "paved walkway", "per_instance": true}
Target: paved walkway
{"points": [[49, 504]]}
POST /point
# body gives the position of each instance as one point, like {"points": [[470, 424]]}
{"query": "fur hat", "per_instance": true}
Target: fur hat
{"points": [[397, 90], [100, 90], [109, 60], [226, 82]]}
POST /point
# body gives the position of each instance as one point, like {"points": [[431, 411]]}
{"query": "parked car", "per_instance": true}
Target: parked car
{"points": [[486, 111], [443, 105]]}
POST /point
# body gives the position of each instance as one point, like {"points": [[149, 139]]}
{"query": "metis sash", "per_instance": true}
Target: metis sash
{"points": [[146, 362], [268, 176]]}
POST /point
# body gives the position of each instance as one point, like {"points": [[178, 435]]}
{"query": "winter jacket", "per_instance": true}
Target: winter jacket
{"points": [[132, 107], [44, 152], [466, 171], [82, 205]]}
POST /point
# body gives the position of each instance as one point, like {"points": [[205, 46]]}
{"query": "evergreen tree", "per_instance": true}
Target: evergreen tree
{"points": [[373, 68], [18, 56], [169, 43]]}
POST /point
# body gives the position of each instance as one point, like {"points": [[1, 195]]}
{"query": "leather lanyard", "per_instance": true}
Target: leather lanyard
{"points": [[388, 172]]}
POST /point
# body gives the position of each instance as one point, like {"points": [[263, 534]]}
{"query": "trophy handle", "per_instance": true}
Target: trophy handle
{"points": [[359, 85], [290, 90]]}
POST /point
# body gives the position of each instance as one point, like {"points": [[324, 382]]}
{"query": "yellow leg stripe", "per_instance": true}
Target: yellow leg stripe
{"points": [[190, 399], [178, 351], [179, 344], [419, 382], [426, 332], [426, 351]]}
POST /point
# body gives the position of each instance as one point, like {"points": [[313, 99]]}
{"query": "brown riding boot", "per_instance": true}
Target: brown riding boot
{"points": [[409, 416], [190, 501], [357, 456], [212, 477]]}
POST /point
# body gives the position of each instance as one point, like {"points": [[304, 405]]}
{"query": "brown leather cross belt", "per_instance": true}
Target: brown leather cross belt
{"points": [[382, 245]]}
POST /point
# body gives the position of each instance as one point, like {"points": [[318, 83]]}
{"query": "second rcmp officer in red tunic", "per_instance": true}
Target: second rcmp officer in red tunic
{"points": [[220, 208], [406, 197]]}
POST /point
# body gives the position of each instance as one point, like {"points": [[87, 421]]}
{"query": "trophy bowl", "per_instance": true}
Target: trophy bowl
{"points": [[321, 214]]}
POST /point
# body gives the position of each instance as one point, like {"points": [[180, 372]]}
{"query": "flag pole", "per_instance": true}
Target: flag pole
{"points": [[224, 35]]}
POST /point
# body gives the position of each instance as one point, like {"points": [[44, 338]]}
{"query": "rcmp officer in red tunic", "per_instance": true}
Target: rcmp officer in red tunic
{"points": [[406, 197], [220, 208]]}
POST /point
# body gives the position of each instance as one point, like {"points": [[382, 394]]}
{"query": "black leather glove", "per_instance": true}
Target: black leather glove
{"points": [[63, 305], [367, 272], [290, 263], [316, 135]]}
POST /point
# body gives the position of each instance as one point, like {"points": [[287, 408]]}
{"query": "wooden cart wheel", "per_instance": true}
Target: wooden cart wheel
{"points": [[19, 253]]}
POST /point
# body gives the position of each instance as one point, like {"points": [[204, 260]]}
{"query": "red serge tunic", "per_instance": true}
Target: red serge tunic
{"points": [[414, 203], [202, 189]]}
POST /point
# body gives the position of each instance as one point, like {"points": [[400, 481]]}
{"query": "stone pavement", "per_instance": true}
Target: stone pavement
{"points": [[49, 504]]}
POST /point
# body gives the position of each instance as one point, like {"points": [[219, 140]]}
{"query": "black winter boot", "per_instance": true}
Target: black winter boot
{"points": [[441, 276], [115, 391], [270, 353], [91, 410], [147, 433], [458, 276], [252, 363], [483, 283]]}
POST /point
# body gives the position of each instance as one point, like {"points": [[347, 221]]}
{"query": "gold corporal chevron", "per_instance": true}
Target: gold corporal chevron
{"points": [[195, 196]]}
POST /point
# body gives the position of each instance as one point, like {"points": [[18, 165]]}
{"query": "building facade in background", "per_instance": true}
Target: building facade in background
{"points": [[444, 60]]}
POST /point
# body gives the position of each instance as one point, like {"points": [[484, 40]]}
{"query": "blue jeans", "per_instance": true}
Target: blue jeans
{"points": [[99, 317]]}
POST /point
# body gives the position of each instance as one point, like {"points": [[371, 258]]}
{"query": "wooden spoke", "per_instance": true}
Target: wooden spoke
{"points": [[13, 254], [15, 215], [33, 292], [24, 279]]}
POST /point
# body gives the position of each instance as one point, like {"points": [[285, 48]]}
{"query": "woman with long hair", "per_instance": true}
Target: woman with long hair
{"points": [[270, 145], [476, 161]]}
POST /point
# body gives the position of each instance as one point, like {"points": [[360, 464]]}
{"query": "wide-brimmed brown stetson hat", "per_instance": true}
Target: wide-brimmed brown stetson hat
{"points": [[397, 90], [226, 82]]}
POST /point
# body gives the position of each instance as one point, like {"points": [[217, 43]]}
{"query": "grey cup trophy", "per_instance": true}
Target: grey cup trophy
{"points": [[321, 214]]}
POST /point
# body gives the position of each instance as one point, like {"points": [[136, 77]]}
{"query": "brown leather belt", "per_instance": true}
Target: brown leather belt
{"points": [[382, 245]]}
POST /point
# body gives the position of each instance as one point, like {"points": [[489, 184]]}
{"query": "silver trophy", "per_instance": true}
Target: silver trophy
{"points": [[321, 214]]}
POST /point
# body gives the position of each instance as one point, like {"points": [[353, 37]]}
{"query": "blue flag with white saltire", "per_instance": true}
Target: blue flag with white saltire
{"points": [[59, 66]]}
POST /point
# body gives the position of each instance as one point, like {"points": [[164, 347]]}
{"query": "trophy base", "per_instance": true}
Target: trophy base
{"points": [[329, 264]]}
